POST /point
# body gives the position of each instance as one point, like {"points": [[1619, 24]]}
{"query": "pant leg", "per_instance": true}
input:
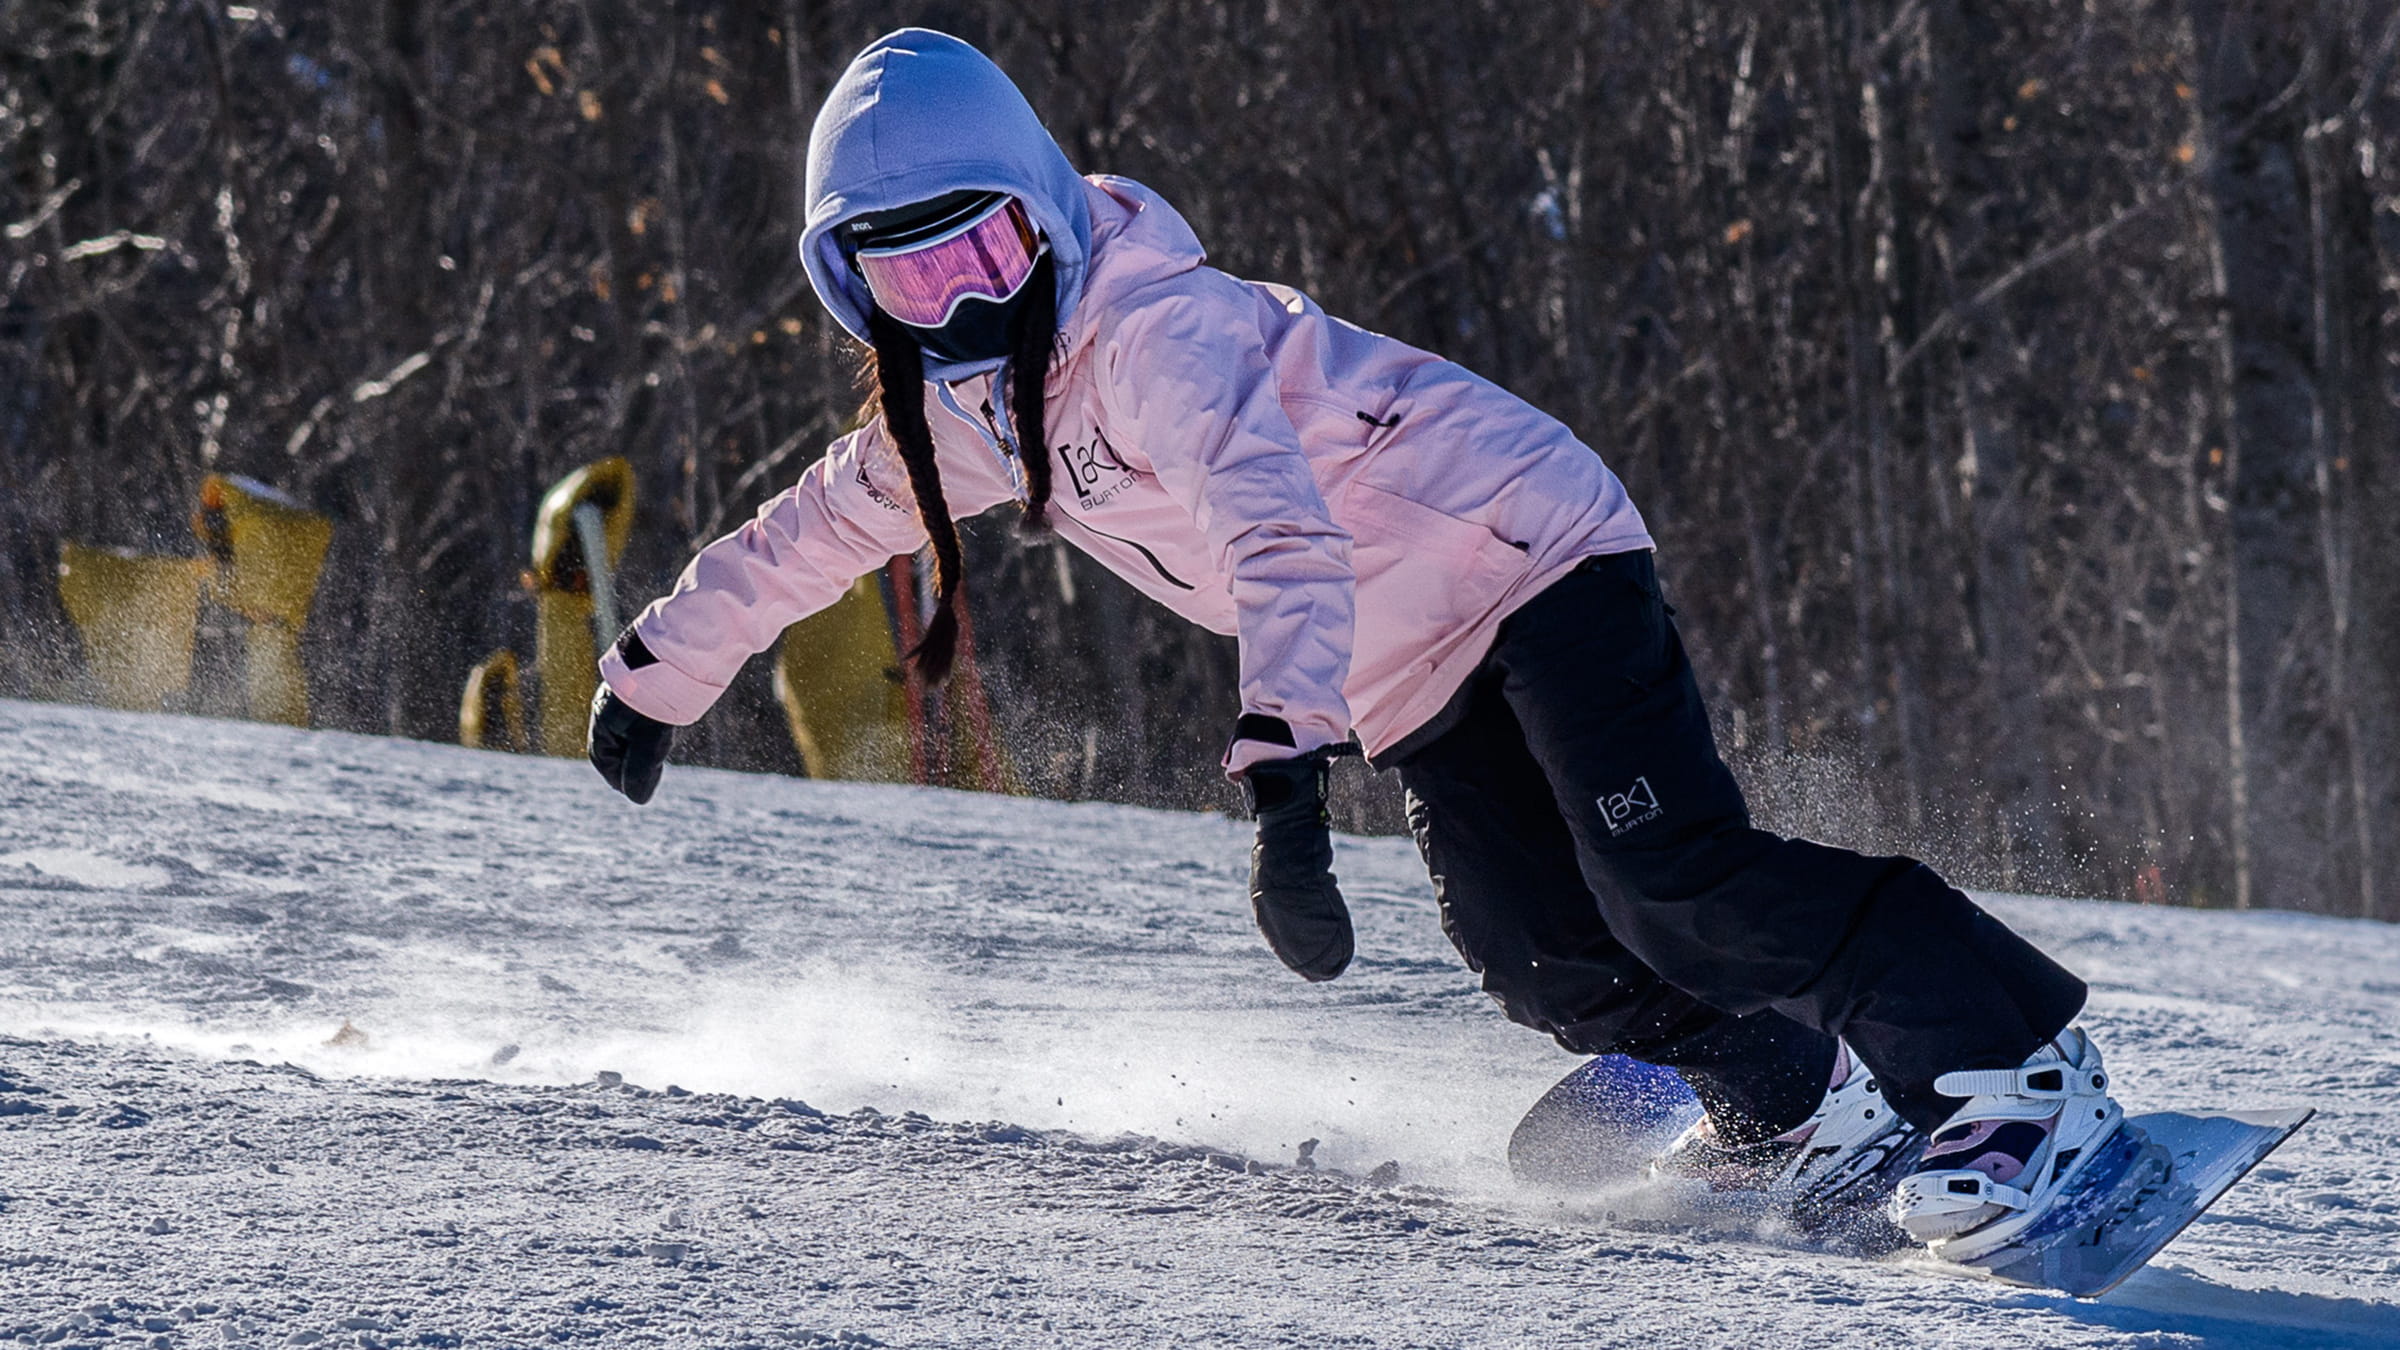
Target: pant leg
{"points": [[1880, 951], [1514, 902]]}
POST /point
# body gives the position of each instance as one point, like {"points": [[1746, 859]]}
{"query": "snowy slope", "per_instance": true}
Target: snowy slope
{"points": [[785, 1063]]}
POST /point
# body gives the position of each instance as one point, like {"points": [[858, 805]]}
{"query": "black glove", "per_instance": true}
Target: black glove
{"points": [[1292, 889], [628, 749]]}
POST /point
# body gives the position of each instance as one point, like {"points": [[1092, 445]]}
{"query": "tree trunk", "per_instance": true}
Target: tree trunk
{"points": [[2249, 58], [1976, 208]]}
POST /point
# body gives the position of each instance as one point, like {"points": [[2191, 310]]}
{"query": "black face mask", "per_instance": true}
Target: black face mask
{"points": [[978, 331]]}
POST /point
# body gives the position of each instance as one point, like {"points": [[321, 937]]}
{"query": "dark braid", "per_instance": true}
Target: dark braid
{"points": [[1031, 335], [895, 376], [900, 388]]}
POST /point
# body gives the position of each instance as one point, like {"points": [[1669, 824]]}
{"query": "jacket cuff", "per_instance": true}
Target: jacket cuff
{"points": [[1247, 749], [658, 690]]}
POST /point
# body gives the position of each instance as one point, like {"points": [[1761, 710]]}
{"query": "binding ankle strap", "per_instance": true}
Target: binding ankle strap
{"points": [[2053, 1080]]}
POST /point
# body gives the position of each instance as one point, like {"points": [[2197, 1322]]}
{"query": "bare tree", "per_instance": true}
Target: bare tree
{"points": [[2002, 383]]}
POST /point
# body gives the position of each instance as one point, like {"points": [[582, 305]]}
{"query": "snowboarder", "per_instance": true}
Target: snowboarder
{"points": [[1407, 553]]}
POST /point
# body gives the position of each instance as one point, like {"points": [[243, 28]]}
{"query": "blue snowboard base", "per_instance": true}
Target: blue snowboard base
{"points": [[1601, 1125]]}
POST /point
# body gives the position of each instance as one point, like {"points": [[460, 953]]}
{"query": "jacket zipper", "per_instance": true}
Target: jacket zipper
{"points": [[1002, 445]]}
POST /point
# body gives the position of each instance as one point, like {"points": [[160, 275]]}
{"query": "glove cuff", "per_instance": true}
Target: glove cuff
{"points": [[1270, 785]]}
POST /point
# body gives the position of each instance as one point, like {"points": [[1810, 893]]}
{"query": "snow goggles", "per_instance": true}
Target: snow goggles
{"points": [[985, 253]]}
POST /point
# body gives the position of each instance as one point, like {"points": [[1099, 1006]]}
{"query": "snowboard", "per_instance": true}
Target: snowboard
{"points": [[1600, 1127]]}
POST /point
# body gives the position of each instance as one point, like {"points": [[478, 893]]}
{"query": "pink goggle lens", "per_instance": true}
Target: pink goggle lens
{"points": [[988, 258]]}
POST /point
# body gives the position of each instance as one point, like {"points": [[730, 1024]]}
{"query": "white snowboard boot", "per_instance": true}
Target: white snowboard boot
{"points": [[2004, 1159], [1828, 1164]]}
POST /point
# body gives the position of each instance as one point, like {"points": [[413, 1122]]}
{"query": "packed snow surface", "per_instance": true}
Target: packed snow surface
{"points": [[321, 1039]]}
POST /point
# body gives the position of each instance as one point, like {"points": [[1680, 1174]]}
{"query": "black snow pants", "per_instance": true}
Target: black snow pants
{"points": [[1595, 863]]}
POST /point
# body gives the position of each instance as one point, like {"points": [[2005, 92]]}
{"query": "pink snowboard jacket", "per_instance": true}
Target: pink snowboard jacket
{"points": [[1360, 514]]}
